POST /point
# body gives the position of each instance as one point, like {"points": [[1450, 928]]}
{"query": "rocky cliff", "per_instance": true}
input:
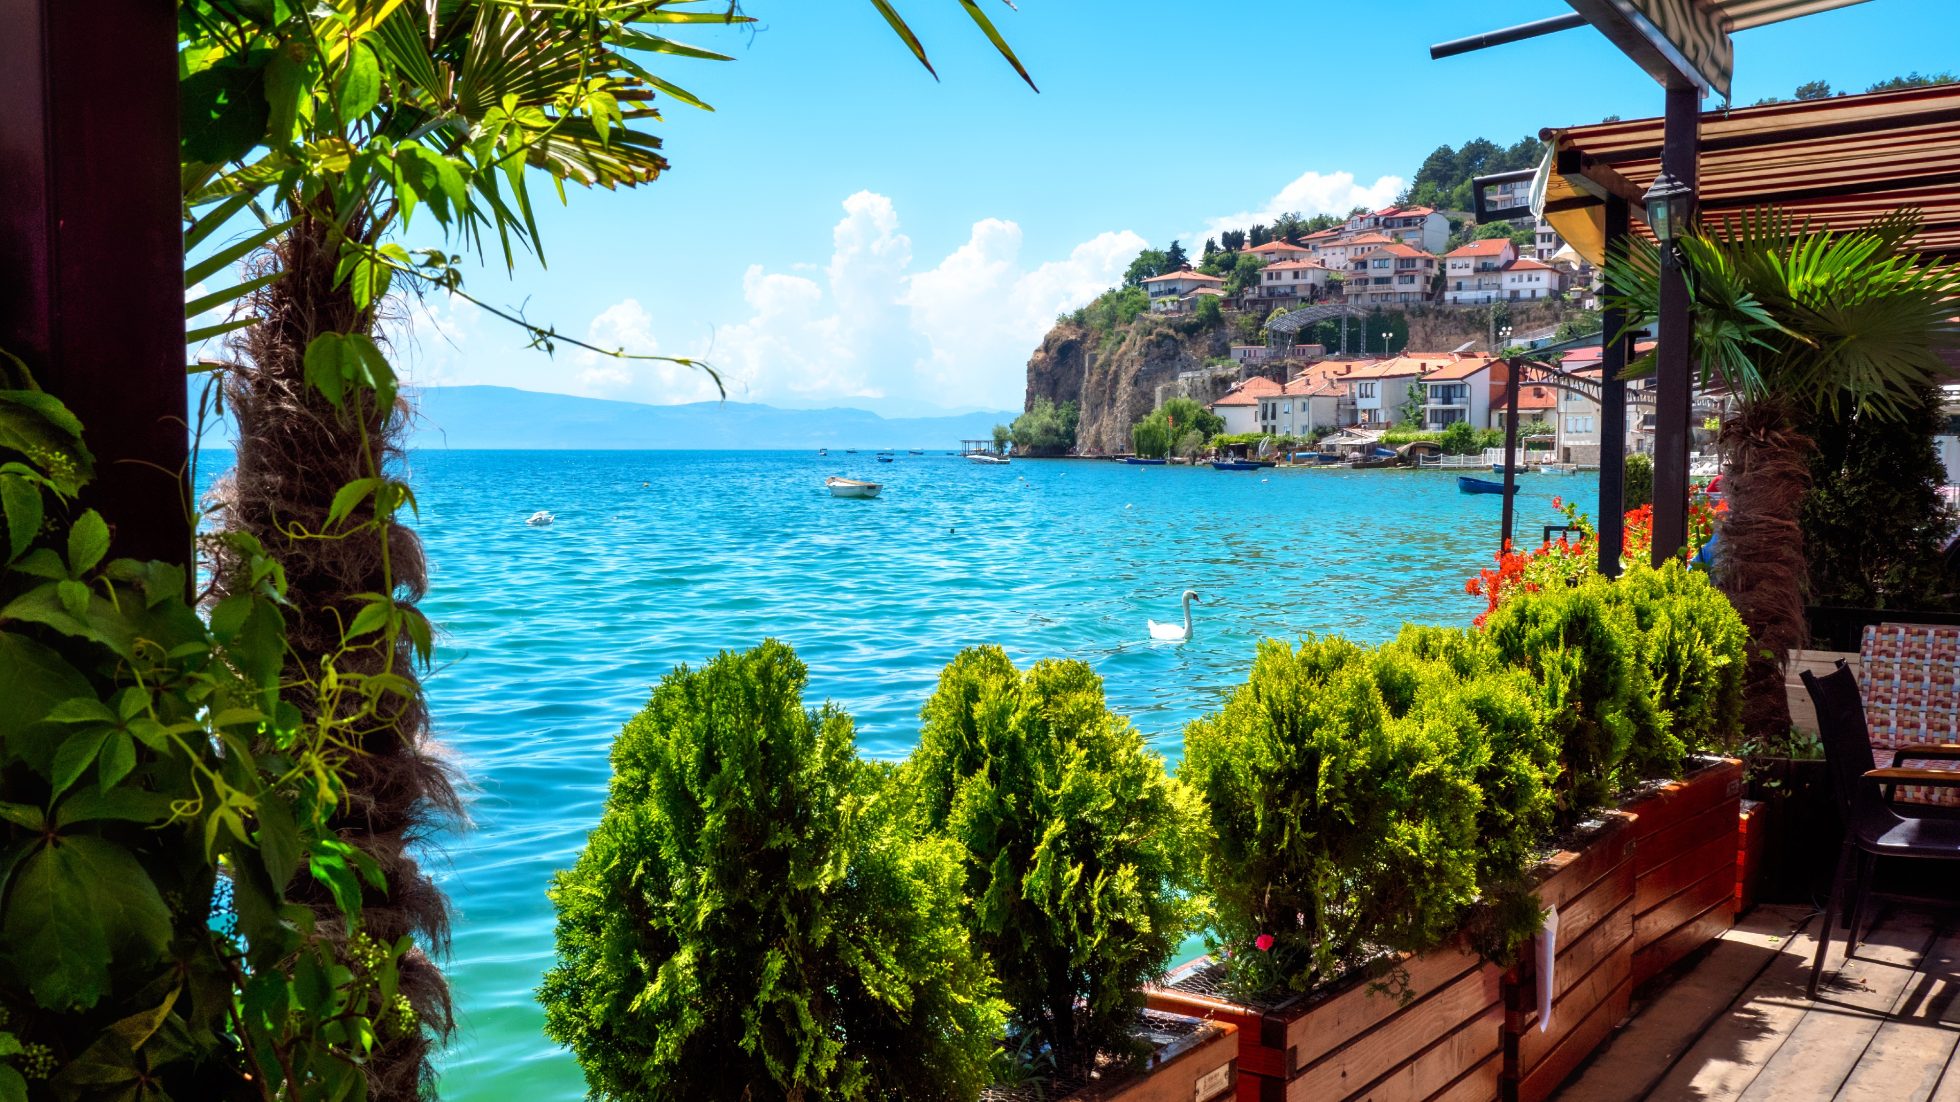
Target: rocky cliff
{"points": [[1117, 376]]}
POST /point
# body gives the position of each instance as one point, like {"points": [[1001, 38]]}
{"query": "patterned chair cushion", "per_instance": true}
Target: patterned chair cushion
{"points": [[1911, 689]]}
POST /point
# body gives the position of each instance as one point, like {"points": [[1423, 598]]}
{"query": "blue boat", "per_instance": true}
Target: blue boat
{"points": [[1139, 461], [1328, 459], [1480, 485], [1234, 465], [1498, 469], [884, 459]]}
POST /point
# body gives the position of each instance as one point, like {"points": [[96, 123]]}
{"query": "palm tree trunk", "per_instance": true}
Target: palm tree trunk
{"points": [[295, 450], [1761, 563]]}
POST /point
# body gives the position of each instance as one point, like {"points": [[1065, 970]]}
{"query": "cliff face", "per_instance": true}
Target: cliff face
{"points": [[1115, 377]]}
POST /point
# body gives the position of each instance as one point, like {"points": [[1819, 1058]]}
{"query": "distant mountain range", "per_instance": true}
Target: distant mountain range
{"points": [[495, 417]]}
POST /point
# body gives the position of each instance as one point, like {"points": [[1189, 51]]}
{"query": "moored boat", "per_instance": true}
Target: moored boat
{"points": [[884, 459], [1471, 485], [1498, 469], [983, 457], [1234, 465], [1140, 461], [851, 487]]}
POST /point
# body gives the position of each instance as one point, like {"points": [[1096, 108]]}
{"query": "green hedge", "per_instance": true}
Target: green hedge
{"points": [[756, 914], [1078, 850]]}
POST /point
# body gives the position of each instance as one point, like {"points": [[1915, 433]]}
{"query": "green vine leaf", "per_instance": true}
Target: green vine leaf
{"points": [[54, 922], [76, 753], [33, 681], [12, 1087], [117, 760], [21, 504], [88, 542]]}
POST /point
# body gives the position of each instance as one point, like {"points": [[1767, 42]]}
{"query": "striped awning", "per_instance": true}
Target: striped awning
{"points": [[1837, 162], [1744, 14]]}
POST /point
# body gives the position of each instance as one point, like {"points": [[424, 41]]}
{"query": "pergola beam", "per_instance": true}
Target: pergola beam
{"points": [[91, 246]]}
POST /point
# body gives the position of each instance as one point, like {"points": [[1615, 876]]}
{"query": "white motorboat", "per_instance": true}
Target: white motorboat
{"points": [[540, 518], [983, 457], [851, 487]]}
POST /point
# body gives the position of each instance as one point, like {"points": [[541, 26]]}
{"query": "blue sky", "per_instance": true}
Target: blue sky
{"points": [[844, 230]]}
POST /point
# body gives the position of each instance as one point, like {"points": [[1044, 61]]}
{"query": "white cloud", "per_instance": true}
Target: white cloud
{"points": [[1311, 193]]}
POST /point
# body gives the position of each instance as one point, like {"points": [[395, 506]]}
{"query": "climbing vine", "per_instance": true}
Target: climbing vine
{"points": [[165, 786]]}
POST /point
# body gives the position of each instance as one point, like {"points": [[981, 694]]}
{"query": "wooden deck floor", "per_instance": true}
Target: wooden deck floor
{"points": [[1734, 1024]]}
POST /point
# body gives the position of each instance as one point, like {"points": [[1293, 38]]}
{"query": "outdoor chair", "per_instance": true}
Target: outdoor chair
{"points": [[1872, 827], [1909, 680]]}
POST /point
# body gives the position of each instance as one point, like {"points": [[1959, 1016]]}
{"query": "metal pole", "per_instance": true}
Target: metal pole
{"points": [[1549, 25], [1515, 371], [91, 247], [1613, 412], [1673, 403]]}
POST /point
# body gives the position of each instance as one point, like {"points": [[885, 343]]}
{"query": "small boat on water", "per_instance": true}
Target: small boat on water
{"points": [[1376, 462], [541, 518], [914, 451], [884, 459], [823, 451], [850, 451], [1234, 465], [1328, 459], [851, 487], [983, 457], [1471, 485], [1140, 461], [1498, 470]]}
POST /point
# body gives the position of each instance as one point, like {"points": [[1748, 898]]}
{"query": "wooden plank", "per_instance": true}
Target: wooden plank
{"points": [[1568, 873], [1906, 1057], [1260, 1052], [1628, 1067], [1543, 1080], [1570, 1012], [1479, 1084], [1435, 1068], [1752, 852], [1260, 1088], [1608, 894], [1675, 803], [1472, 999], [1653, 851], [1663, 918], [1826, 1044], [1715, 851], [1650, 961], [1341, 1017], [1607, 937]]}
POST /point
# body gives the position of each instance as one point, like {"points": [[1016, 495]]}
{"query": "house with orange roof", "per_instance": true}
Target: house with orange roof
{"points": [[1312, 400], [1239, 406], [1474, 273], [1418, 227], [1273, 252], [1391, 273], [1579, 439], [1456, 389], [1378, 389], [1169, 293], [1293, 281], [1537, 404], [1335, 252], [1525, 278]]}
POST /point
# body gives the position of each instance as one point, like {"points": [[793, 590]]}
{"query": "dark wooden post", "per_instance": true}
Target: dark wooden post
{"points": [[1612, 411], [1673, 403], [91, 246], [1514, 369]]}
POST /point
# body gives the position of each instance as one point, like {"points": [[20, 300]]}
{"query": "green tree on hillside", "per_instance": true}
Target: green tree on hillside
{"points": [[1258, 235], [1149, 262], [1167, 425], [1175, 259], [1243, 274], [1211, 249], [1046, 427], [1232, 240]]}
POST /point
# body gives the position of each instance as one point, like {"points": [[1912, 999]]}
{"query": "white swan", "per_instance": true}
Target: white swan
{"points": [[540, 518], [1172, 632]]}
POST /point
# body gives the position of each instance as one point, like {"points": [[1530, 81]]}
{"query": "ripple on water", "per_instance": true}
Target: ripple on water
{"points": [[552, 637]]}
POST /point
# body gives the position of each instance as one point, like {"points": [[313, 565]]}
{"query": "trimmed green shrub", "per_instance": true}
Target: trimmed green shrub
{"points": [[756, 916], [1079, 851], [1339, 827], [1584, 650], [1693, 646], [1637, 482]]}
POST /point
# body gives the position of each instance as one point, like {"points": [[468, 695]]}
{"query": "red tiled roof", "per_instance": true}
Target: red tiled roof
{"points": [[1319, 235], [1588, 359], [1366, 239], [1405, 212], [1449, 368], [1296, 266], [1249, 392], [1276, 246], [1199, 276], [1489, 246], [1526, 264], [1533, 396]]}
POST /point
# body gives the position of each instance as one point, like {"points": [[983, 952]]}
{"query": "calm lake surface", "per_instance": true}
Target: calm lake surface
{"points": [[552, 637]]}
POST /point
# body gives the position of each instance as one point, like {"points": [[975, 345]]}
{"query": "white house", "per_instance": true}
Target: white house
{"points": [[1457, 389], [1416, 227], [1239, 406], [1335, 252], [1578, 416], [1392, 273], [1293, 280], [1474, 273], [1546, 242], [1167, 292], [1377, 390], [1312, 401], [1525, 278]]}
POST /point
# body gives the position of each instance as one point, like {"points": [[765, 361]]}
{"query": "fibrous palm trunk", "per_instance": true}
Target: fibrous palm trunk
{"points": [[1761, 564], [295, 450]]}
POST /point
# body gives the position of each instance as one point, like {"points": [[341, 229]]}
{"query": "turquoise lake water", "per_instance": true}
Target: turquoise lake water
{"points": [[552, 637]]}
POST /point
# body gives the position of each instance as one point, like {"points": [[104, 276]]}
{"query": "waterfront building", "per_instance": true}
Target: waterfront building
{"points": [[1239, 406], [1525, 278], [1457, 389]]}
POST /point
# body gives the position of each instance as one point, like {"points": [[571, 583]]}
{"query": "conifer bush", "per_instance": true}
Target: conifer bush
{"points": [[756, 916], [1344, 809], [1077, 848], [1584, 650], [1694, 647]]}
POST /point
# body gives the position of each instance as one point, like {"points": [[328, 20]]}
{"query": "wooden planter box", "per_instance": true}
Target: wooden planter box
{"points": [[1592, 885], [1191, 1060], [1685, 846], [1349, 1043], [1751, 851]]}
